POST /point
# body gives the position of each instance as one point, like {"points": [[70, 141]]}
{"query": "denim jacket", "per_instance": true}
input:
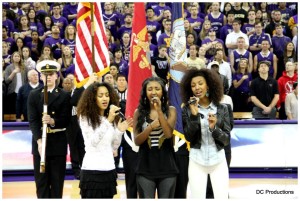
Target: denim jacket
{"points": [[192, 127]]}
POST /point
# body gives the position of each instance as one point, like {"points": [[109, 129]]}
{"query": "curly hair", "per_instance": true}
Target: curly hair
{"points": [[87, 106], [213, 82], [144, 103]]}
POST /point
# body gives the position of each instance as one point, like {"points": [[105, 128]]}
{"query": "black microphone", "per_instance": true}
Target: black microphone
{"points": [[120, 114], [192, 101]]}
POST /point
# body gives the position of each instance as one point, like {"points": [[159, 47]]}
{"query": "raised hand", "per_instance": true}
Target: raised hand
{"points": [[123, 125]]}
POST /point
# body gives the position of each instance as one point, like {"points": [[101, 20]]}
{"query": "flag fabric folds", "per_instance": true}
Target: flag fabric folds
{"points": [[177, 54], [139, 66], [83, 50]]}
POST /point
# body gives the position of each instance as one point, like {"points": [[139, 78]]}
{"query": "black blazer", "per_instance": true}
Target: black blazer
{"points": [[192, 127], [59, 108]]}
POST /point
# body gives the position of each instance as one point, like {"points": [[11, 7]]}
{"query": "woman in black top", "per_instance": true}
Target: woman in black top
{"points": [[153, 126]]}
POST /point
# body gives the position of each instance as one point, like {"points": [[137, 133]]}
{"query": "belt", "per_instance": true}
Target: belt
{"points": [[49, 130]]}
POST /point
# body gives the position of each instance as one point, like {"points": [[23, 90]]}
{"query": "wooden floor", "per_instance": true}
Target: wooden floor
{"points": [[239, 189]]}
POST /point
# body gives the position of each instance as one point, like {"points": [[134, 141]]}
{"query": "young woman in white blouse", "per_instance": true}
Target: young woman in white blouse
{"points": [[102, 130]]}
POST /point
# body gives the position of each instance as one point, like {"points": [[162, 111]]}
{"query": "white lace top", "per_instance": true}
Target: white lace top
{"points": [[99, 144]]}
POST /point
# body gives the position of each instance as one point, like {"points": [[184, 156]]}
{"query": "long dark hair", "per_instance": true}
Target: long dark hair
{"points": [[144, 103], [213, 82], [87, 106]]}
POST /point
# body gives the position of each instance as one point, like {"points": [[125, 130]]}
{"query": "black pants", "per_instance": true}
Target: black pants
{"points": [[147, 187], [129, 161], [51, 183], [182, 162], [76, 144]]}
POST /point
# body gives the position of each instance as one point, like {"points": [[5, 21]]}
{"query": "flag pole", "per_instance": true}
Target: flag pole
{"points": [[93, 38]]}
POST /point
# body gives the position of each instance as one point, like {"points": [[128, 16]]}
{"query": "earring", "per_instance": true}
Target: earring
{"points": [[163, 99], [207, 94], [145, 100]]}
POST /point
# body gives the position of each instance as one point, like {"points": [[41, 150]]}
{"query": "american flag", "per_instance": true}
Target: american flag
{"points": [[83, 50]]}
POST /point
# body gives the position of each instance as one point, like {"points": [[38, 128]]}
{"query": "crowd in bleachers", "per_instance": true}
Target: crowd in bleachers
{"points": [[232, 37]]}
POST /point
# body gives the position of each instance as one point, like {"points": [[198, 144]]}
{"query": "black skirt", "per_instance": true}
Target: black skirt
{"points": [[98, 184]]}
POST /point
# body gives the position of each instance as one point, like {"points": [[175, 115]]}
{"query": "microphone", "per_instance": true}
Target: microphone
{"points": [[192, 101], [120, 114]]}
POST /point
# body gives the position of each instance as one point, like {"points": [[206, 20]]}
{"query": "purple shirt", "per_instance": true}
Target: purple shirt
{"points": [[61, 20], [71, 44], [237, 57], [52, 42], [153, 25], [10, 42], [247, 28], [279, 44], [224, 31], [244, 87], [269, 58], [9, 25], [216, 23], [122, 30], [111, 17], [257, 39], [69, 10], [164, 39], [198, 19]]}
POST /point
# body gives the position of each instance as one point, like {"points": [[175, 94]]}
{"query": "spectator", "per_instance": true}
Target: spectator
{"points": [[46, 54], [111, 41], [224, 67], [291, 103], [110, 19], [152, 25], [160, 64], [195, 20], [279, 42], [285, 86], [265, 14], [286, 13], [202, 53], [256, 38], [67, 63], [248, 28], [266, 55], [6, 58], [217, 19], [45, 29], [21, 103], [54, 41], [118, 59], [126, 27], [18, 45], [193, 61], [239, 13], [227, 7], [7, 23], [214, 66], [125, 46], [33, 23], [270, 28], [210, 43], [70, 11], [227, 28], [10, 41], [23, 31], [35, 46], [190, 40], [15, 75], [59, 20], [67, 85], [108, 78], [240, 53], [114, 70], [28, 62], [264, 93], [69, 40], [241, 81], [205, 28], [153, 48], [231, 39], [165, 38]]}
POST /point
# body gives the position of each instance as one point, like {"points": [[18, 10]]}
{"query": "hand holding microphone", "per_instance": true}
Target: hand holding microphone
{"points": [[113, 111], [156, 102], [193, 103]]}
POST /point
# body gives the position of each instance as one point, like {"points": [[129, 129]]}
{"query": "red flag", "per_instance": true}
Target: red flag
{"points": [[83, 50], [139, 66]]}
